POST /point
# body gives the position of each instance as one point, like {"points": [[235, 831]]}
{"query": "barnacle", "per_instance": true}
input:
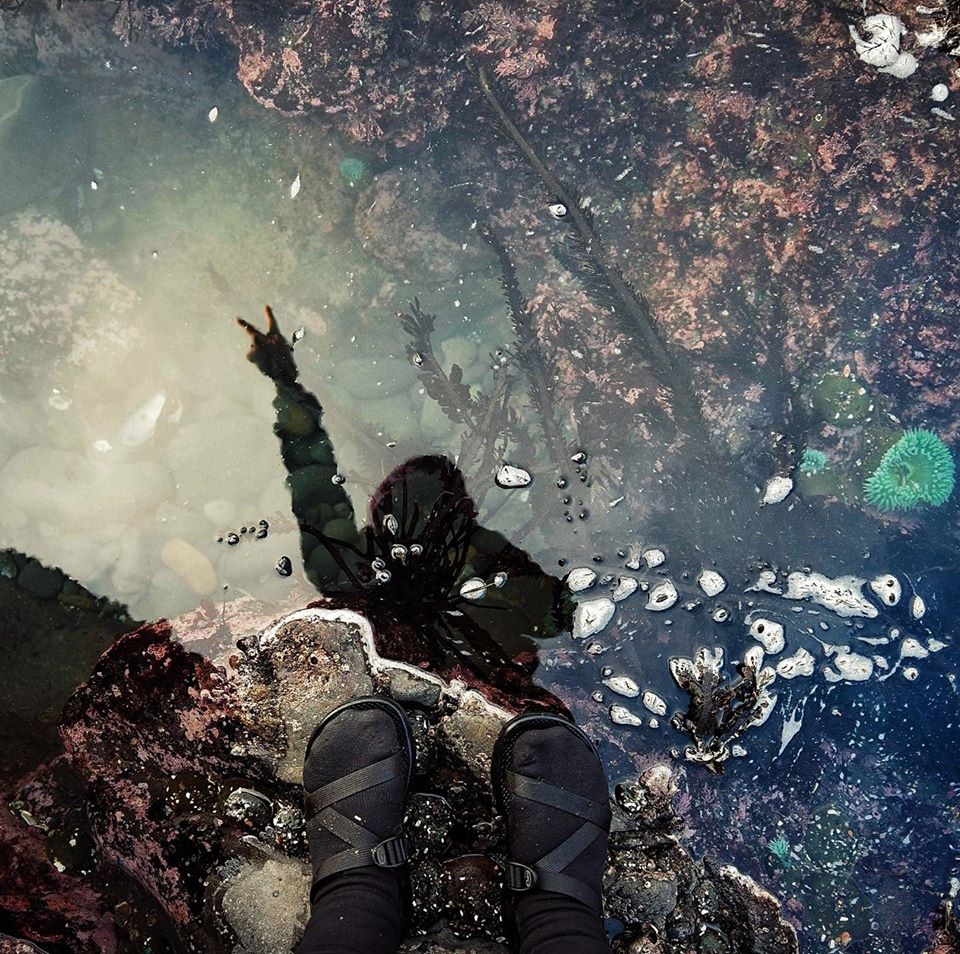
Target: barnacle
{"points": [[918, 469]]}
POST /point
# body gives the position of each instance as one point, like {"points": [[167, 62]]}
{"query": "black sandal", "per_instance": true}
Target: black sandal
{"points": [[366, 848], [549, 872]]}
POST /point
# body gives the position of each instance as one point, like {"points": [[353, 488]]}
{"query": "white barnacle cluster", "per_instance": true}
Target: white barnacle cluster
{"points": [[879, 45]]}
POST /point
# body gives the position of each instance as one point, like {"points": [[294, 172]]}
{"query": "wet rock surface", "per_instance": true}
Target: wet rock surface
{"points": [[180, 783]]}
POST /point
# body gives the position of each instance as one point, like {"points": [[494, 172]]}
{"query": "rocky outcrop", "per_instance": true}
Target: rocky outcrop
{"points": [[184, 754]]}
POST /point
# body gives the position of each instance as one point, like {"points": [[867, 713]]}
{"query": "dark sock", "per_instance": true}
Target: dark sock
{"points": [[359, 911], [550, 923]]}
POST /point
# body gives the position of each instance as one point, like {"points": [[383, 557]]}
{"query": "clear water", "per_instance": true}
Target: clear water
{"points": [[135, 436]]}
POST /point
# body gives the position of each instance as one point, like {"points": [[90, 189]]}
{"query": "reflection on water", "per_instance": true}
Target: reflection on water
{"points": [[139, 218]]}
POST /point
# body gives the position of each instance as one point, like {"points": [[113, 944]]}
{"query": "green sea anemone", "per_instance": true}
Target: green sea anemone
{"points": [[813, 461], [917, 470], [352, 170], [780, 848]]}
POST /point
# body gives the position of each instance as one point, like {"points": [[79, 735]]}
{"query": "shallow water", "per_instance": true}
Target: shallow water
{"points": [[135, 437]]}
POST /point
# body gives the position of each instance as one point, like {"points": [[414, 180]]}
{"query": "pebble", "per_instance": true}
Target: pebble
{"points": [[777, 490], [190, 565]]}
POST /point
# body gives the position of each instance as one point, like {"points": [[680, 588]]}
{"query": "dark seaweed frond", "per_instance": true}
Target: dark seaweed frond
{"points": [[529, 355], [449, 391]]}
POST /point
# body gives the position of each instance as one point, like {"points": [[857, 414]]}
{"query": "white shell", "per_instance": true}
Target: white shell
{"points": [[622, 686], [801, 663], [769, 634], [580, 578], [711, 582], [654, 557], [917, 607], [591, 616], [777, 490], [623, 716], [662, 596], [510, 477], [654, 703], [940, 92], [626, 586], [295, 187], [474, 589], [887, 589]]}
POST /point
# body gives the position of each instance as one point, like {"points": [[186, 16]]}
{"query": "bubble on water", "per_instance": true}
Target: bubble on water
{"points": [[887, 589], [338, 479], [378, 564], [662, 596], [383, 576], [622, 686], [591, 616], [59, 401], [769, 634], [509, 477], [623, 716], [102, 446], [580, 578], [474, 589], [654, 703], [711, 582], [284, 566], [398, 552], [416, 549], [654, 557]]}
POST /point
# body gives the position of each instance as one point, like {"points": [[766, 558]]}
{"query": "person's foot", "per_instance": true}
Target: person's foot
{"points": [[356, 776], [552, 792]]}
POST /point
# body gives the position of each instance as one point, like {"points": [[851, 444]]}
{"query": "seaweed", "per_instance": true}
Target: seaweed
{"points": [[720, 710], [585, 253]]}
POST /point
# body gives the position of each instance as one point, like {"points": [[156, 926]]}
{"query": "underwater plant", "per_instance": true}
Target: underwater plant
{"points": [[918, 469], [813, 461]]}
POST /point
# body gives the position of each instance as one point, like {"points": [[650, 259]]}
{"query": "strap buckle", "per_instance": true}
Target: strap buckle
{"points": [[520, 877], [391, 853]]}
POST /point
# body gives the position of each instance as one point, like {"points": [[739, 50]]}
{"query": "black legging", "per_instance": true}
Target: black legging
{"points": [[361, 912]]}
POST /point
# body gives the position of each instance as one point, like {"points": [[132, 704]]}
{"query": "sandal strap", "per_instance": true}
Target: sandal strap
{"points": [[363, 778], [554, 797], [366, 848], [547, 873], [389, 853]]}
